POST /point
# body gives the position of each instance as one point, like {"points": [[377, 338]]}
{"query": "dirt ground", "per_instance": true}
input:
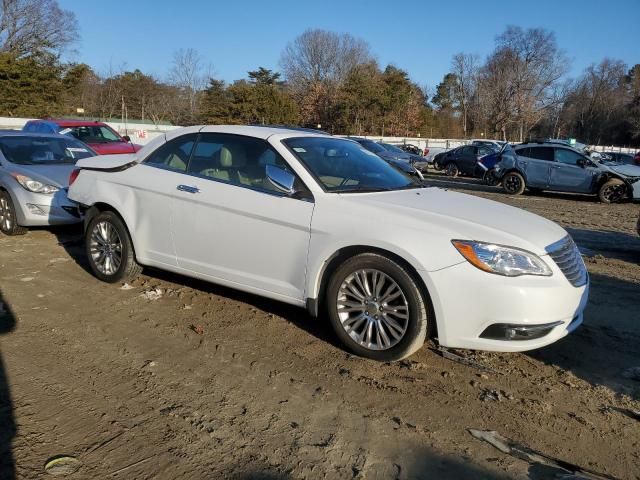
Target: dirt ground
{"points": [[174, 378]]}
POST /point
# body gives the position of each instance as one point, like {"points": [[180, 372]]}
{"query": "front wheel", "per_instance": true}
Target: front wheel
{"points": [[109, 249], [452, 170], [490, 178], [612, 191], [8, 224], [513, 183], [376, 308]]}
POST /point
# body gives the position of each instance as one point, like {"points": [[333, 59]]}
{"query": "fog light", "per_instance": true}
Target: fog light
{"points": [[35, 209], [507, 331]]}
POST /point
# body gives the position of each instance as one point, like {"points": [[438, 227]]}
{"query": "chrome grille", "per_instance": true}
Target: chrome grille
{"points": [[568, 258]]}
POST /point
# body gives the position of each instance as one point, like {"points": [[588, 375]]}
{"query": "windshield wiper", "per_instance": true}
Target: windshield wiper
{"points": [[361, 189]]}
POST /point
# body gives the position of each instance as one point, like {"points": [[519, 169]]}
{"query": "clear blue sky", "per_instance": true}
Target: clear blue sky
{"points": [[419, 36]]}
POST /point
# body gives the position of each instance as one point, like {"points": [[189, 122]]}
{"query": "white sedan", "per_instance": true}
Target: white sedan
{"points": [[319, 222]]}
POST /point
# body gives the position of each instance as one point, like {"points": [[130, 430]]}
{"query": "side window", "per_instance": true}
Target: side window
{"points": [[235, 159], [484, 150], [539, 153], [568, 157], [468, 151], [173, 155]]}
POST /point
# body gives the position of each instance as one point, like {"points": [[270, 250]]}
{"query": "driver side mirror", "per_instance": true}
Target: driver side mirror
{"points": [[126, 138], [582, 162], [281, 179]]}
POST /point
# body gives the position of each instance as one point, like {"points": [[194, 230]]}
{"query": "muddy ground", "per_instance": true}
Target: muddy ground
{"points": [[176, 378]]}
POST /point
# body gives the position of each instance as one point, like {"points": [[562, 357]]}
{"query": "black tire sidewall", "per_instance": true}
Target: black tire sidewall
{"points": [[418, 318], [606, 185], [522, 183], [127, 248], [455, 173]]}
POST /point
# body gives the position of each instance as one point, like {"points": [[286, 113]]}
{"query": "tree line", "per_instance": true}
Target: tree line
{"points": [[327, 80]]}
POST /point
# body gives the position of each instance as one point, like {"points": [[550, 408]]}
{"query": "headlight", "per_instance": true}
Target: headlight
{"points": [[507, 261], [35, 186]]}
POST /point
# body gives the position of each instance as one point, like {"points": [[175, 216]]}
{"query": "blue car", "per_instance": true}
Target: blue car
{"points": [[561, 168]]}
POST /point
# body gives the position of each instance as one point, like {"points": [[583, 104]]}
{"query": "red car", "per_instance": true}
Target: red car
{"points": [[99, 136], [636, 159]]}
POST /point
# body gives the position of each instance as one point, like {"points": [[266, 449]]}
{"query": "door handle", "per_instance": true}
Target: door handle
{"points": [[188, 189]]}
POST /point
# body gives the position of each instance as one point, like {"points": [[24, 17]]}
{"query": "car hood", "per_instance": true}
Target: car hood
{"points": [[57, 174], [624, 170], [437, 212], [114, 148]]}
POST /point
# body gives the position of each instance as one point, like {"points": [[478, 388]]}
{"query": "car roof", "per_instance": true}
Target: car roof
{"points": [[20, 133], [261, 131], [69, 123]]}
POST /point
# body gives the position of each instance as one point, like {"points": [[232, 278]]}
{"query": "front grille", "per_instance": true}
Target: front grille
{"points": [[568, 258]]}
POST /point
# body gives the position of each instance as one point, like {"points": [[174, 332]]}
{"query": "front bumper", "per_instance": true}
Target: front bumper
{"points": [[468, 301], [36, 209]]}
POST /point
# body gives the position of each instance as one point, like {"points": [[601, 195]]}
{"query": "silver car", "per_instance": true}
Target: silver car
{"points": [[34, 176]]}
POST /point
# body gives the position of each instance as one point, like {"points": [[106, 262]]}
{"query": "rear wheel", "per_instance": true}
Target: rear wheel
{"points": [[376, 308], [8, 224], [109, 249], [612, 191], [452, 170], [489, 178], [513, 183]]}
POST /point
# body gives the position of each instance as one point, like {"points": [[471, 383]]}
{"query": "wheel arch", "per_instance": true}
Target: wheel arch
{"points": [[315, 298], [99, 207]]}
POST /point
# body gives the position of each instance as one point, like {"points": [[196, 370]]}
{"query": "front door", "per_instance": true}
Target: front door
{"points": [[567, 175], [231, 224]]}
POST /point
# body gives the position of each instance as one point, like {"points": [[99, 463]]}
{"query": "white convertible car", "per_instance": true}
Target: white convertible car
{"points": [[320, 222]]}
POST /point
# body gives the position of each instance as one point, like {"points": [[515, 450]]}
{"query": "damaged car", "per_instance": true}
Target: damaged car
{"points": [[321, 222], [560, 168]]}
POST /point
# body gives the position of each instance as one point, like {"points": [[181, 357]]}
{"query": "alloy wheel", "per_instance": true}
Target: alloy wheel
{"points": [[373, 310], [512, 183], [105, 248], [614, 193], [6, 218]]}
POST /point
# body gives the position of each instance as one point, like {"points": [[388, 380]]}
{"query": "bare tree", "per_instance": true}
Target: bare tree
{"points": [[29, 27], [320, 56], [189, 76], [315, 64], [535, 65], [465, 68]]}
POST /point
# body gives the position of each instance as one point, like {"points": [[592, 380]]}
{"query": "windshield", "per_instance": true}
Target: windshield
{"points": [[372, 146], [345, 166], [93, 134], [392, 148], [43, 150]]}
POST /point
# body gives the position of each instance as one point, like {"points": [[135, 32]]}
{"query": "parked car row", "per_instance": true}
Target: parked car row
{"points": [[99, 136], [315, 221]]}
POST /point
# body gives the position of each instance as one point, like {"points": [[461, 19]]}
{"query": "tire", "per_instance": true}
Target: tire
{"points": [[490, 179], [346, 290], [437, 165], [452, 169], [612, 191], [107, 231], [8, 224], [513, 183]]}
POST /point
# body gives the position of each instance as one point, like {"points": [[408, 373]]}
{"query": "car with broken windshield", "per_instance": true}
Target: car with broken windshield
{"points": [[324, 224]]}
